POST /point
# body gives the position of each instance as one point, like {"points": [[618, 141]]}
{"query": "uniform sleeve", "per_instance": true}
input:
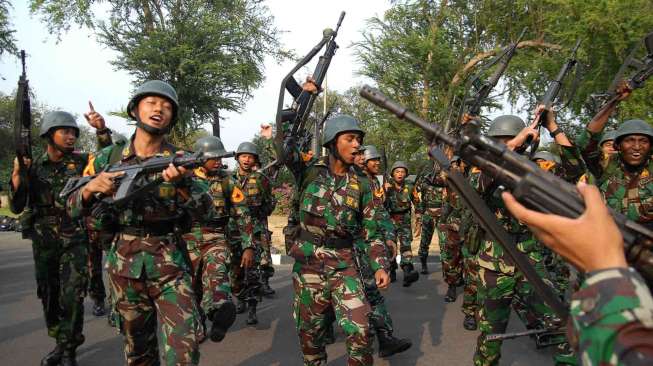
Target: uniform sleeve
{"points": [[372, 232], [18, 196], [572, 165], [417, 195], [612, 316], [75, 204], [104, 140], [243, 220], [588, 144]]}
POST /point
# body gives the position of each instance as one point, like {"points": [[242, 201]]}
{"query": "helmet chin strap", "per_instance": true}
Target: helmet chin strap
{"points": [[152, 130], [334, 151], [62, 149]]}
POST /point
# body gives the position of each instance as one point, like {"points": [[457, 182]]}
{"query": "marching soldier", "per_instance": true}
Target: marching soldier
{"points": [[58, 243], [431, 190]]}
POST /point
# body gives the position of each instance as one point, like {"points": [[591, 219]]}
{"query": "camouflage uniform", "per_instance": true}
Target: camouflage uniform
{"points": [[335, 213], [431, 193], [398, 202], [470, 231], [148, 264], [612, 317], [450, 250]]}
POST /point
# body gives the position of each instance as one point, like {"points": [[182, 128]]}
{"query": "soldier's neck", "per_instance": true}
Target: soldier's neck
{"points": [[243, 172], [54, 154], [337, 166], [147, 144]]}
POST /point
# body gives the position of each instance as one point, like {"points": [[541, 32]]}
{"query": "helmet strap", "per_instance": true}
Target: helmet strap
{"points": [[62, 149]]}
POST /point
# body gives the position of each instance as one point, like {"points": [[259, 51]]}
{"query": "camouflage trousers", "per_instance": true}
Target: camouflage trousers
{"points": [[429, 224], [245, 282], [329, 279], [60, 264], [558, 271], [167, 299], [380, 315], [470, 304], [498, 292], [266, 242], [404, 235], [210, 257], [96, 289], [450, 253]]}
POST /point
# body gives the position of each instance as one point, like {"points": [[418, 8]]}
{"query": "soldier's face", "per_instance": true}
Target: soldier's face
{"points": [[347, 145], [373, 166], [213, 165], [608, 147], [246, 161], [399, 174], [635, 149], [65, 137], [359, 160], [155, 111]]}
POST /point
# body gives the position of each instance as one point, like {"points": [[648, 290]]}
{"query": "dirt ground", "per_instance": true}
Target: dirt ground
{"points": [[277, 222]]}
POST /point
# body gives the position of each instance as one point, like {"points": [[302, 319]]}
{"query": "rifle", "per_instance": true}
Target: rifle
{"points": [[543, 337], [552, 94], [22, 137], [641, 70], [303, 101], [531, 186], [483, 88], [131, 185]]}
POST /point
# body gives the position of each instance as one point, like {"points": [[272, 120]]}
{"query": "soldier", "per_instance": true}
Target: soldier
{"points": [[148, 264], [473, 235], [58, 243], [208, 248], [336, 212], [431, 190], [612, 314], [254, 195], [607, 143], [398, 202]]}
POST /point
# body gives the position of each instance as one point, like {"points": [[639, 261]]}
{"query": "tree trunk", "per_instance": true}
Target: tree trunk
{"points": [[216, 123]]}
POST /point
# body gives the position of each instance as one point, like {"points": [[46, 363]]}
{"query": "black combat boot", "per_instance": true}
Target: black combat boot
{"points": [[222, 318], [423, 262], [241, 306], [329, 333], [451, 294], [99, 309], [410, 274], [393, 275], [251, 316], [53, 358], [265, 282], [390, 345], [69, 358], [470, 322]]}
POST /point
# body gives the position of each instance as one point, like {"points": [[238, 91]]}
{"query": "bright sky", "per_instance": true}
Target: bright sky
{"points": [[67, 74]]}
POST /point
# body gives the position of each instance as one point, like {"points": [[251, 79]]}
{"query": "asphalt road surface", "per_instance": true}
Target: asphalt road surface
{"points": [[419, 313]]}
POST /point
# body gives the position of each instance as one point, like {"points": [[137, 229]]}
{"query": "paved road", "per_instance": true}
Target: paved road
{"points": [[419, 313]]}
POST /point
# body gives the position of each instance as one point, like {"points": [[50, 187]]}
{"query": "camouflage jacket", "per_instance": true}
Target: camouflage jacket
{"points": [[430, 194], [385, 223], [630, 193], [224, 211], [612, 317], [257, 189], [399, 199], [335, 207]]}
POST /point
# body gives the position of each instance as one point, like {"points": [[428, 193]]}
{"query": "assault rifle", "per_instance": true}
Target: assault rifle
{"points": [[531, 186], [295, 117], [543, 337], [640, 70], [552, 93], [484, 87], [133, 183], [22, 137]]}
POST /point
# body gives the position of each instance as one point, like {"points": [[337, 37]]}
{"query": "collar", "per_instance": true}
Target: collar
{"points": [[166, 149]]}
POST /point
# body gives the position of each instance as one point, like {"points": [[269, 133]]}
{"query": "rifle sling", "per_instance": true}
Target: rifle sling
{"points": [[489, 222]]}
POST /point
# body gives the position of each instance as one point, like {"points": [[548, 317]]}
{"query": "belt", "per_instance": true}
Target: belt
{"points": [[330, 242], [400, 212], [154, 230]]}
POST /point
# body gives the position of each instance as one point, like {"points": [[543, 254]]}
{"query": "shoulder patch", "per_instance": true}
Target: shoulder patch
{"points": [[237, 195]]}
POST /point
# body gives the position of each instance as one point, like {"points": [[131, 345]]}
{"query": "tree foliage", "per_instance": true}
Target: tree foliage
{"points": [[7, 39], [212, 52]]}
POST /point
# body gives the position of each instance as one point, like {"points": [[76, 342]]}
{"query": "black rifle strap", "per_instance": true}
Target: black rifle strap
{"points": [[489, 222]]}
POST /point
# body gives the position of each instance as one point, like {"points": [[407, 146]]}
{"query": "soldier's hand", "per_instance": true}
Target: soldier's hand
{"points": [[523, 135], [382, 279], [102, 183], [266, 131], [15, 174], [623, 91], [247, 260], [94, 118], [550, 122], [310, 86], [590, 242]]}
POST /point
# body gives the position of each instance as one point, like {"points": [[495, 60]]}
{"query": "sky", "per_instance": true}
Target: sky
{"points": [[69, 73]]}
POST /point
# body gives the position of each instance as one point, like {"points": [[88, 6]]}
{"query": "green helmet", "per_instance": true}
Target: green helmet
{"points": [[506, 125], [371, 153], [633, 127], [57, 119], [398, 164], [247, 148], [362, 148], [158, 88], [118, 138], [211, 147], [545, 155], [337, 125], [607, 136], [455, 158]]}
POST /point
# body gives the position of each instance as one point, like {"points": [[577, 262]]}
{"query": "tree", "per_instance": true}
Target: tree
{"points": [[7, 39], [212, 52]]}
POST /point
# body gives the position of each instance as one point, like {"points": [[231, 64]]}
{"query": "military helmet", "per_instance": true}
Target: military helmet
{"points": [[57, 119], [633, 127], [247, 148], [337, 125], [158, 88], [118, 138], [398, 164], [607, 136], [455, 158], [506, 125], [211, 147], [545, 155], [371, 153], [362, 148]]}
